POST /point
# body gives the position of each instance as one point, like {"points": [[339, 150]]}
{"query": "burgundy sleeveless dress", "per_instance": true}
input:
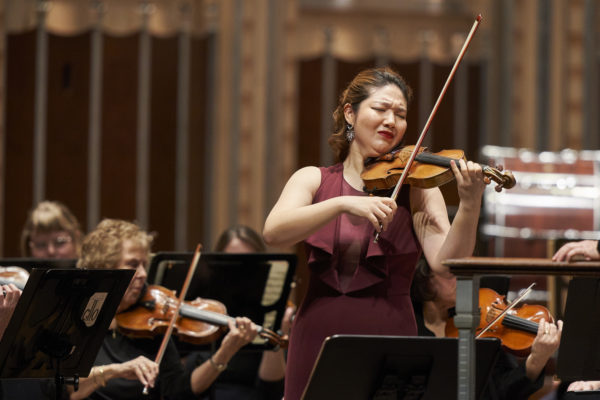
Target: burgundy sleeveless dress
{"points": [[356, 286]]}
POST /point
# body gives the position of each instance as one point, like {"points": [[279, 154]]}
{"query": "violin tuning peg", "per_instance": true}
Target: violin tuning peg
{"points": [[498, 188]]}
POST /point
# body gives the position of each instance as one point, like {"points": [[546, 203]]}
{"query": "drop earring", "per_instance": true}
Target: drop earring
{"points": [[349, 133]]}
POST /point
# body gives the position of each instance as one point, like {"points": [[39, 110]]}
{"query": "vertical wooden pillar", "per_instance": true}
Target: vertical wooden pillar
{"points": [[2, 119], [253, 113], [41, 97], [591, 97], [524, 67], [573, 76], [95, 121], [557, 85], [328, 98], [226, 114], [142, 192], [183, 127]]}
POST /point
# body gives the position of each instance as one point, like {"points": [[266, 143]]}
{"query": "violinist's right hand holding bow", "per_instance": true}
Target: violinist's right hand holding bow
{"points": [[140, 368], [295, 217]]}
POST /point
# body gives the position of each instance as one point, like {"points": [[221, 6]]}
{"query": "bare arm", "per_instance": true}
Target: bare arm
{"points": [[439, 239], [140, 368], [294, 217], [241, 332], [272, 363]]}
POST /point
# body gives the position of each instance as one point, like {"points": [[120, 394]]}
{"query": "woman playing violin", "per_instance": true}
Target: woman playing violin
{"points": [[358, 286], [434, 295], [125, 365], [250, 375]]}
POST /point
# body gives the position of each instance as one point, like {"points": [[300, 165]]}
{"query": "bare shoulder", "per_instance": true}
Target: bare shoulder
{"points": [[308, 177]]}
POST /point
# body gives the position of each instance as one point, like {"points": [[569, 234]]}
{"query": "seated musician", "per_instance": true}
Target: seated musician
{"points": [[125, 365], [587, 250], [434, 295], [250, 375], [51, 231]]}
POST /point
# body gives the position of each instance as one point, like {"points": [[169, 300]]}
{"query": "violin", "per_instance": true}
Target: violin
{"points": [[516, 330], [427, 171], [16, 275], [200, 321]]}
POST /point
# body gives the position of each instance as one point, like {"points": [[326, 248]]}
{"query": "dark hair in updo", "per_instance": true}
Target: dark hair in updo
{"points": [[358, 90]]}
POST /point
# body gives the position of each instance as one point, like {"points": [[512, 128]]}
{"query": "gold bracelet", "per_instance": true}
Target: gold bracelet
{"points": [[219, 367]]}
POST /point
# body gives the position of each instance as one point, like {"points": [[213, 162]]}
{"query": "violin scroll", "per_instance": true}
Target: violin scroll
{"points": [[504, 180]]}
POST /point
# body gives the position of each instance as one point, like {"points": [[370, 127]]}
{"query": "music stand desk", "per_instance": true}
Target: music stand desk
{"points": [[60, 322], [30, 263], [357, 367], [468, 271]]}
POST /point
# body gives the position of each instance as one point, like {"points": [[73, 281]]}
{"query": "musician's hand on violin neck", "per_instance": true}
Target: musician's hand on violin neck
{"points": [[241, 332], [379, 211], [548, 338], [544, 345], [470, 182]]}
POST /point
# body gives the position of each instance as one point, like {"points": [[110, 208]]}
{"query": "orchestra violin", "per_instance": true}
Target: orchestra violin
{"points": [[200, 321], [516, 330], [16, 275]]}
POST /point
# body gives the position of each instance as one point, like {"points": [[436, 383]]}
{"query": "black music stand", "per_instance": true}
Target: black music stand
{"points": [[254, 285], [30, 263], [60, 322], [579, 351], [359, 367]]}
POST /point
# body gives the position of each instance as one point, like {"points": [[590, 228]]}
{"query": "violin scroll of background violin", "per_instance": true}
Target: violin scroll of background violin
{"points": [[429, 170], [16, 275]]}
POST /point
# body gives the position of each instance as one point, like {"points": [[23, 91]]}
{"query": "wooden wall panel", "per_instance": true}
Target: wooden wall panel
{"points": [[119, 96], [345, 72], [441, 134], [199, 92], [18, 173], [309, 111], [410, 72], [67, 122], [163, 126], [475, 110]]}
